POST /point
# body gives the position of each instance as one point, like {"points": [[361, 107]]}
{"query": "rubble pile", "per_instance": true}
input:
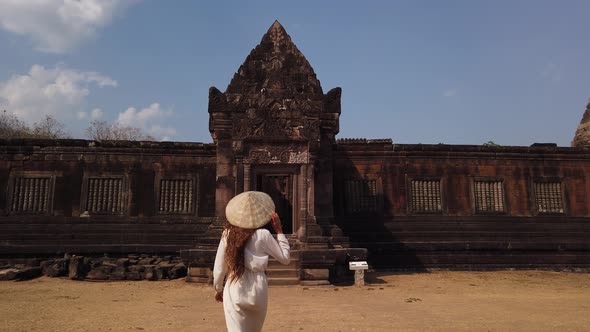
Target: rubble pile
{"points": [[132, 267]]}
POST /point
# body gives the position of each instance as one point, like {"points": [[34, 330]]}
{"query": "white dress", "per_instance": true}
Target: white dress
{"points": [[245, 300]]}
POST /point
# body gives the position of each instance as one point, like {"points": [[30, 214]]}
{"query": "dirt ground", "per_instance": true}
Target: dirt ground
{"points": [[480, 301]]}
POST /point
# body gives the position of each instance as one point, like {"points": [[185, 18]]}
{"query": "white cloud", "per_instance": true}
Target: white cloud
{"points": [[449, 93], [57, 91], [148, 120], [96, 114], [159, 131], [57, 26]]}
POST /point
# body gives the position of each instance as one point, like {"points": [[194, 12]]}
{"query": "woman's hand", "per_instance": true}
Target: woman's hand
{"points": [[219, 296], [276, 223]]}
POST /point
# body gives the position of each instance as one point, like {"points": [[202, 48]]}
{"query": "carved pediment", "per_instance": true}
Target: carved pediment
{"points": [[275, 95]]}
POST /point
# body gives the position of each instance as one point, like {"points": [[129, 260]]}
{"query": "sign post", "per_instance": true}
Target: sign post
{"points": [[359, 268]]}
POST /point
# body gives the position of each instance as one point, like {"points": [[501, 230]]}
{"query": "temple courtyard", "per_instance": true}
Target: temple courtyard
{"points": [[441, 301]]}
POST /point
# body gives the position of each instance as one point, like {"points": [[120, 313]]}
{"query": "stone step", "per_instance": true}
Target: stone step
{"points": [[283, 281], [315, 283], [294, 254], [274, 264], [199, 280], [282, 273]]}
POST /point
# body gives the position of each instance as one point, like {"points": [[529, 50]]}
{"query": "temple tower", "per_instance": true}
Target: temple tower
{"points": [[582, 137], [275, 131]]}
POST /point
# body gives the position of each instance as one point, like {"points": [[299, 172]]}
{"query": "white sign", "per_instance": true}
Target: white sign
{"points": [[360, 265]]}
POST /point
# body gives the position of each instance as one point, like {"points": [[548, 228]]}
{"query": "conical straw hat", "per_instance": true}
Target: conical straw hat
{"points": [[250, 209]]}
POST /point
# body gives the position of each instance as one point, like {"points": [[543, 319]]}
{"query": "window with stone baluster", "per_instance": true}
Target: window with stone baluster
{"points": [[488, 196], [362, 196], [548, 196], [176, 196], [104, 194], [425, 195], [31, 193]]}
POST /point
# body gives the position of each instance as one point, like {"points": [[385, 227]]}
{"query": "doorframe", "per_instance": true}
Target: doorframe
{"points": [[291, 170]]}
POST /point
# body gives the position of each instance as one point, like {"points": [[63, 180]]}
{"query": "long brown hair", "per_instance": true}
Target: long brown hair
{"points": [[237, 238]]}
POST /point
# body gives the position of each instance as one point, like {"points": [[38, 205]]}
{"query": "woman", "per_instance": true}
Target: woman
{"points": [[242, 257]]}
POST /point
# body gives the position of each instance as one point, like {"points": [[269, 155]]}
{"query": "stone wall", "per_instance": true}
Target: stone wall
{"points": [[518, 232], [111, 197]]}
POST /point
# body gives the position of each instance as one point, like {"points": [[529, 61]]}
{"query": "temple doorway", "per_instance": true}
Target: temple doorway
{"points": [[281, 190]]}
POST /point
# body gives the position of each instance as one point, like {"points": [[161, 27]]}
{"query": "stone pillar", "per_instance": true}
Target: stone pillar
{"points": [[302, 204], [247, 177], [220, 126], [225, 181]]}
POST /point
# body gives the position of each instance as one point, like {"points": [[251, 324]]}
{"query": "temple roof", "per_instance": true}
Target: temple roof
{"points": [[275, 66]]}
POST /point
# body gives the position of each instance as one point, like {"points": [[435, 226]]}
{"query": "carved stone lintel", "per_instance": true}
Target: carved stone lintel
{"points": [[267, 153]]}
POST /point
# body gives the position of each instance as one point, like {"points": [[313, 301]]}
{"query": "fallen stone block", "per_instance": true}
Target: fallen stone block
{"points": [[8, 274], [146, 261], [78, 267], [315, 274], [150, 273], [99, 273], [55, 267], [117, 275], [109, 265], [178, 271], [19, 274], [136, 268], [163, 269], [123, 262], [134, 275]]}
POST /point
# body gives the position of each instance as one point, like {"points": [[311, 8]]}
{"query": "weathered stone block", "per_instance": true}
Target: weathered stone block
{"points": [[178, 271], [146, 261], [123, 262], [78, 267], [163, 269], [201, 272], [134, 275], [29, 273], [55, 268], [109, 265], [117, 275], [150, 273], [8, 274], [99, 273], [20, 273], [316, 274], [136, 268]]}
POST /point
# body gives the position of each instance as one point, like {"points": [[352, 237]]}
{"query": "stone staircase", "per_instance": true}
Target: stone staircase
{"points": [[279, 274]]}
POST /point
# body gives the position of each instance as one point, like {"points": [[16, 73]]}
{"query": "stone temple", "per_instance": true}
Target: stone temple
{"points": [[399, 206]]}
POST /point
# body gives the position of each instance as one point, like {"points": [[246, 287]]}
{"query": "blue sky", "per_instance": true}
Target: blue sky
{"points": [[457, 72]]}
